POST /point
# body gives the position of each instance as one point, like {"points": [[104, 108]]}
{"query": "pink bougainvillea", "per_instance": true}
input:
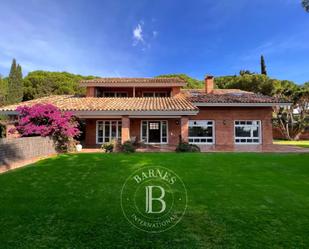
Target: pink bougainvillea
{"points": [[46, 120]]}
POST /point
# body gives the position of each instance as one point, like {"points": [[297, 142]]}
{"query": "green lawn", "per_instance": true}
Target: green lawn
{"points": [[300, 143], [234, 201]]}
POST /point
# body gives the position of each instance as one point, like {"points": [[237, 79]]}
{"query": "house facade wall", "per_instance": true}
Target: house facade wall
{"points": [[90, 136], [172, 91], [173, 128], [135, 129], [223, 117]]}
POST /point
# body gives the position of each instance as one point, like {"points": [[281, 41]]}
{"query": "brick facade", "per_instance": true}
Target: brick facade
{"points": [[135, 130], [171, 91], [224, 118], [222, 106], [184, 128], [125, 129]]}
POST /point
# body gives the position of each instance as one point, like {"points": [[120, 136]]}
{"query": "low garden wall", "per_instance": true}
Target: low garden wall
{"points": [[25, 148]]}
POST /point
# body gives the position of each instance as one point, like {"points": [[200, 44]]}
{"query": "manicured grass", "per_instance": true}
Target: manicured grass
{"points": [[300, 143], [234, 201]]}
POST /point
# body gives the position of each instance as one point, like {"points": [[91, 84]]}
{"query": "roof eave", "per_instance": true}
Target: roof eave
{"points": [[240, 104], [137, 113], [98, 84], [111, 113], [8, 112]]}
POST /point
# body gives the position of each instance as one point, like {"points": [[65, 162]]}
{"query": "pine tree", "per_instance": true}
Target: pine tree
{"points": [[3, 92], [263, 66], [15, 84], [305, 4]]}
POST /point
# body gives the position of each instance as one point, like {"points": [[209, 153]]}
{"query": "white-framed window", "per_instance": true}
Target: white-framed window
{"points": [[107, 130], [201, 132], [247, 131], [154, 126], [155, 94], [149, 126]]}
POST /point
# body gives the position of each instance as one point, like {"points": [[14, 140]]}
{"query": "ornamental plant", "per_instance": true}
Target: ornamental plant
{"points": [[108, 147], [186, 147], [128, 147], [47, 120]]}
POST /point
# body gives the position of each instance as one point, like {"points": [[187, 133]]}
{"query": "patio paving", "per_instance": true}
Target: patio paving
{"points": [[275, 148]]}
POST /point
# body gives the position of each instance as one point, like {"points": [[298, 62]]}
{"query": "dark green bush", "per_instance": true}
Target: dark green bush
{"points": [[128, 147], [186, 147]]}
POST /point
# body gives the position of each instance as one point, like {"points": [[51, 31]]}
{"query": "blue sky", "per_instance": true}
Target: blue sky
{"points": [[147, 38]]}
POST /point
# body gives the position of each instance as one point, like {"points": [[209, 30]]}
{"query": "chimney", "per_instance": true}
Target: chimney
{"points": [[209, 83]]}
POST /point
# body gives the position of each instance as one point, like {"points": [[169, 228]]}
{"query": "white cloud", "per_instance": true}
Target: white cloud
{"points": [[49, 45], [154, 33], [279, 45], [143, 37], [138, 34]]}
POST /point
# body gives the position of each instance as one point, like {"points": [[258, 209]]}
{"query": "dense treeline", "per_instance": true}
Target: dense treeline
{"points": [[191, 82], [292, 120], [42, 83], [15, 88], [247, 81], [257, 83]]}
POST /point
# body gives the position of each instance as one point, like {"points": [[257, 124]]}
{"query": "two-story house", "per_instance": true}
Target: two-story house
{"points": [[160, 111]]}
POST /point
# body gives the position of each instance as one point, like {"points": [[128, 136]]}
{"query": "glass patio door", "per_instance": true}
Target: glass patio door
{"points": [[154, 131]]}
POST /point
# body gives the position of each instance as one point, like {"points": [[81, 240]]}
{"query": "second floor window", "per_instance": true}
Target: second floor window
{"points": [[111, 94], [155, 94], [115, 94]]}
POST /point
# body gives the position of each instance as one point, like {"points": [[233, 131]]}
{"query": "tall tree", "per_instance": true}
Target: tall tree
{"points": [[244, 72], [3, 91], [305, 4], [294, 120], [15, 84], [263, 66]]}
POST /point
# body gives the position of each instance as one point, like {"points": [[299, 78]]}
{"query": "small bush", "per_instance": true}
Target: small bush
{"points": [[128, 147], [64, 144], [186, 147], [2, 130], [108, 147]]}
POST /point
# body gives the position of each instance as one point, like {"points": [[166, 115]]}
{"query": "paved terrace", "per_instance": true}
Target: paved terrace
{"points": [[275, 148]]}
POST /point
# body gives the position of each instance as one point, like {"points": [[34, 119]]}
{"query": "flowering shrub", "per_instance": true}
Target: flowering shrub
{"points": [[47, 120], [108, 147]]}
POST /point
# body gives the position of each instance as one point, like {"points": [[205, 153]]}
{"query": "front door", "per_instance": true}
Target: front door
{"points": [[154, 129]]}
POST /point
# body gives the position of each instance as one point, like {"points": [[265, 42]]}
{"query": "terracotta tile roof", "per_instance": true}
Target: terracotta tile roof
{"points": [[130, 82], [225, 91], [227, 96], [73, 103]]}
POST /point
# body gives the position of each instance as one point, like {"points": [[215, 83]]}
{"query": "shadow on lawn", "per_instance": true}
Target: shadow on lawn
{"points": [[8, 155]]}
